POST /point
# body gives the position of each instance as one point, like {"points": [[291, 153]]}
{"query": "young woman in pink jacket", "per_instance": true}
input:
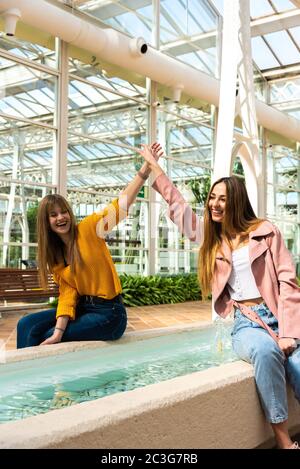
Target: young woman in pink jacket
{"points": [[244, 263]]}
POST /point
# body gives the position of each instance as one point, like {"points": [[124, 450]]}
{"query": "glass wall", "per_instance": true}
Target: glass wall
{"points": [[283, 201], [28, 145], [283, 195], [188, 139], [108, 120]]}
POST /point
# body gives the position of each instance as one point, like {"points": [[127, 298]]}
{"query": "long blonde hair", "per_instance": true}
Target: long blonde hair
{"points": [[50, 245], [239, 218]]}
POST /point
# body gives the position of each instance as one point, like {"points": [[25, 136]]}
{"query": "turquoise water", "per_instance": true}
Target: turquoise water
{"points": [[36, 386]]}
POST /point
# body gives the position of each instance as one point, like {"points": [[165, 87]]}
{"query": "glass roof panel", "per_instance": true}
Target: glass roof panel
{"points": [[191, 16], [184, 18], [283, 46], [202, 12], [28, 50], [77, 98], [199, 135], [14, 107], [283, 5], [295, 114], [102, 78], [262, 55], [275, 49], [167, 32], [131, 24], [26, 92], [195, 59], [260, 8], [28, 99], [295, 32], [176, 12], [40, 159], [219, 4]]}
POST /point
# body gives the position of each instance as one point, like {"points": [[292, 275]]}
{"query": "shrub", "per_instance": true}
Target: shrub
{"points": [[139, 290], [156, 289]]}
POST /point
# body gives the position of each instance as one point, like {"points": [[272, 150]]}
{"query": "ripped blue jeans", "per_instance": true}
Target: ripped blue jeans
{"points": [[254, 344]]}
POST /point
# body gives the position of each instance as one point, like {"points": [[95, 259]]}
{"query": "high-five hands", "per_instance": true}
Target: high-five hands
{"points": [[151, 153]]}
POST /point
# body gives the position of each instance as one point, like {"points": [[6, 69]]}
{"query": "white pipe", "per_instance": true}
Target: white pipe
{"points": [[116, 48], [11, 18]]}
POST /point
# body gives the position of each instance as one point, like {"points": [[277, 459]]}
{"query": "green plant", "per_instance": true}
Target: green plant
{"points": [[31, 218], [238, 167], [200, 188], [157, 289]]}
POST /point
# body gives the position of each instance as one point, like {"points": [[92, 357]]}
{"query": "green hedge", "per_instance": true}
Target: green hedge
{"points": [[157, 289]]}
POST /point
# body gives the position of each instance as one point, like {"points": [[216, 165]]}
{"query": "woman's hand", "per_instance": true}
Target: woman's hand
{"points": [[150, 155], [55, 338], [287, 345], [156, 150]]}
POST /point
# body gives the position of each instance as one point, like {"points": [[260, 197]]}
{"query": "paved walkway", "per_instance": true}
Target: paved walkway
{"points": [[139, 318]]}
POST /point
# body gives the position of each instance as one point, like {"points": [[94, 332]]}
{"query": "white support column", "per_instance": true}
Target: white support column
{"points": [[11, 199], [59, 176], [23, 220], [246, 98], [264, 176], [187, 254], [226, 112], [237, 64], [152, 209], [152, 124]]}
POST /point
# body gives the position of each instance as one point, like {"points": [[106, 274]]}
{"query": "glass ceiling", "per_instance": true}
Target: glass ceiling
{"points": [[188, 32], [183, 22]]}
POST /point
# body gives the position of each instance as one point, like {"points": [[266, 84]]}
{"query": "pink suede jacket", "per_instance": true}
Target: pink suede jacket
{"points": [[271, 263]]}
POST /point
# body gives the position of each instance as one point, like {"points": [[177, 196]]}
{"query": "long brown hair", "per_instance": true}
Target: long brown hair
{"points": [[239, 218], [50, 245]]}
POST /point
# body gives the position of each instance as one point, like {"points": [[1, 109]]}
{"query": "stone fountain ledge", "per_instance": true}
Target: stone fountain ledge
{"points": [[31, 353], [214, 408]]}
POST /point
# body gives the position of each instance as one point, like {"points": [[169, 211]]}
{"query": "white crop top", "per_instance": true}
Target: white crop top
{"points": [[241, 283]]}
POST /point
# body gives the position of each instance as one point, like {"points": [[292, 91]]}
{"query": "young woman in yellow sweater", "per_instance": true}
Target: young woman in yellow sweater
{"points": [[89, 305]]}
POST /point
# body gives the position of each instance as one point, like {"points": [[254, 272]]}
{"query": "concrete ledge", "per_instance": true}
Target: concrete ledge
{"points": [[32, 353], [214, 408]]}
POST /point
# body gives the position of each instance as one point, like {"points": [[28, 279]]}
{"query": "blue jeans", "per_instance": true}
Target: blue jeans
{"points": [[103, 321], [254, 344]]}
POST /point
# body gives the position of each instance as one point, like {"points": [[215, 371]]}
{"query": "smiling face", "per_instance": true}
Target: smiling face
{"points": [[60, 221], [217, 202]]}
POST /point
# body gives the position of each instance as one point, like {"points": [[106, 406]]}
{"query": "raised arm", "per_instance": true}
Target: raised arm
{"points": [[128, 196], [117, 210], [179, 211]]}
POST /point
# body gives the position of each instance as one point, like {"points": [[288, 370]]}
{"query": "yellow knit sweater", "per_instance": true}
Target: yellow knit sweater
{"points": [[97, 275]]}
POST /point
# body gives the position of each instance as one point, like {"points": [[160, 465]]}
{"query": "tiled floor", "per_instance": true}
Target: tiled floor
{"points": [[139, 318]]}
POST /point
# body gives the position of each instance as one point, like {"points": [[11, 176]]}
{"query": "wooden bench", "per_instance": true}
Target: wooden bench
{"points": [[23, 285]]}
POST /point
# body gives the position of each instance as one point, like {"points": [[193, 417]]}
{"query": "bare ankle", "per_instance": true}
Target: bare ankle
{"points": [[282, 436]]}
